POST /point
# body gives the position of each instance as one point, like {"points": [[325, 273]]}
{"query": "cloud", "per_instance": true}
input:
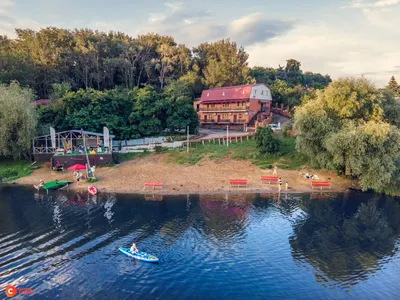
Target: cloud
{"points": [[5, 5], [194, 26], [374, 4], [8, 22], [256, 28], [322, 48]]}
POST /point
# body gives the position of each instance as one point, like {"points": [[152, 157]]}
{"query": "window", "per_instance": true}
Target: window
{"points": [[212, 105], [211, 117], [238, 104], [208, 105], [243, 92], [240, 116], [208, 94], [223, 93], [262, 92], [225, 116], [243, 103], [225, 105], [255, 92]]}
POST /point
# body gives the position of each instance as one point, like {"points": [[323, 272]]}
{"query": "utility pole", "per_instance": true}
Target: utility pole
{"points": [[227, 135], [187, 143]]}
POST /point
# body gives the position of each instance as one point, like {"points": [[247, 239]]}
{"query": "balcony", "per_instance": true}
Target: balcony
{"points": [[226, 121], [220, 108]]}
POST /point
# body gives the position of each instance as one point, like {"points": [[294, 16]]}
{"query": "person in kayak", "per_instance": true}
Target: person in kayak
{"points": [[134, 249]]}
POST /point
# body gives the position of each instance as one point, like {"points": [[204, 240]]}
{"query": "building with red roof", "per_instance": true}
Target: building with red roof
{"points": [[42, 102], [239, 106]]}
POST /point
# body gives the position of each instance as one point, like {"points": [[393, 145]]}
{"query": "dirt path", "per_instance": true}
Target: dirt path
{"points": [[206, 176]]}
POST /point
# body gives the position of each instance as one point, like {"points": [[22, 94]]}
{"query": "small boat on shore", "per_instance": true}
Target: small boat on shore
{"points": [[53, 185], [92, 190]]}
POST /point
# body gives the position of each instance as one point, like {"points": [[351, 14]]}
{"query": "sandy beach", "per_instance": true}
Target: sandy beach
{"points": [[205, 177]]}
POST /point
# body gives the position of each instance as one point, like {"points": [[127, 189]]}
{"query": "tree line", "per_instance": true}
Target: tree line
{"points": [[85, 59]]}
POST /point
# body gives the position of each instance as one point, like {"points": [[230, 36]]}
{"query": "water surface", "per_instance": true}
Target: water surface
{"points": [[210, 246]]}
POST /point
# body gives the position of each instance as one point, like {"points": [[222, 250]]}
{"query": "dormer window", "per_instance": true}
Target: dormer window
{"points": [[262, 92], [208, 94], [223, 93], [243, 92]]}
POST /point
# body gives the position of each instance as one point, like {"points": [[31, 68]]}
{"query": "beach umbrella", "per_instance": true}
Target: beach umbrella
{"points": [[77, 167]]}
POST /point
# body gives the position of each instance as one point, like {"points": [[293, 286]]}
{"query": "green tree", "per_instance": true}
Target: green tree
{"points": [[293, 73], [393, 86], [18, 121], [344, 128], [265, 140], [59, 90], [222, 63]]}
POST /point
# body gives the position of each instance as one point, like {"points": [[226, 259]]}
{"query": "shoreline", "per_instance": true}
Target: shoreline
{"points": [[182, 193], [206, 177]]}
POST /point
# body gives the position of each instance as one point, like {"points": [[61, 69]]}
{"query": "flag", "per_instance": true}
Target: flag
{"points": [[53, 137], [106, 137]]}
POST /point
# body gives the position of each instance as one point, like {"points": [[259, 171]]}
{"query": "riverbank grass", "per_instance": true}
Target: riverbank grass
{"points": [[11, 170], [286, 158]]}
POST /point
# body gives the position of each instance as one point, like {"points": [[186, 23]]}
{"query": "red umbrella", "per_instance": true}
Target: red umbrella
{"points": [[77, 167]]}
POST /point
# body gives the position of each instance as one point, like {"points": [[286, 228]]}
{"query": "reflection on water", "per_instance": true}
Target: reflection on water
{"points": [[243, 246], [345, 242]]}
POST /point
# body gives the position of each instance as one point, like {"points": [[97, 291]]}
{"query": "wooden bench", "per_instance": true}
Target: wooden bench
{"points": [[238, 182], [153, 185], [269, 179], [320, 184]]}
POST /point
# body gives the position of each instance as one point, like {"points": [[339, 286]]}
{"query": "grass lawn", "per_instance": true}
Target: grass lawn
{"points": [[11, 170], [122, 157], [286, 158]]}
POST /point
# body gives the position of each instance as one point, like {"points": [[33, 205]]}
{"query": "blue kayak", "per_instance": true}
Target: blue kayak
{"points": [[140, 255]]}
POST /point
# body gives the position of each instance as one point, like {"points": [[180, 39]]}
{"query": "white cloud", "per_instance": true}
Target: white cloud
{"points": [[8, 22], [323, 49], [374, 4], [5, 5], [196, 26]]}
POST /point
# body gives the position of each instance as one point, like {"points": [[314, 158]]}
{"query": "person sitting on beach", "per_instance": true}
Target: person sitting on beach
{"points": [[134, 249]]}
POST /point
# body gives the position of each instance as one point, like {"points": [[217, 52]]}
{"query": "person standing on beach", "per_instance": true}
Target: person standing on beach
{"points": [[78, 177], [280, 184], [287, 186], [275, 173]]}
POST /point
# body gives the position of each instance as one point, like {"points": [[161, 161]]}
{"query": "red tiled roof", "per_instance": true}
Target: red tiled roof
{"points": [[239, 92], [42, 102]]}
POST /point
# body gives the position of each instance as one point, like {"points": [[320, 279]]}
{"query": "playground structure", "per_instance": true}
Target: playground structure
{"points": [[74, 146]]}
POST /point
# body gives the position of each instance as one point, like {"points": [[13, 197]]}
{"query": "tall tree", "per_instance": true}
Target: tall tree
{"points": [[223, 63], [393, 86], [18, 120]]}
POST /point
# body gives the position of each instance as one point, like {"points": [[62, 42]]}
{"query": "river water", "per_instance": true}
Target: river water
{"points": [[65, 245]]}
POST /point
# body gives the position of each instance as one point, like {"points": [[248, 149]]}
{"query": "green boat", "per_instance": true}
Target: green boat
{"points": [[53, 185]]}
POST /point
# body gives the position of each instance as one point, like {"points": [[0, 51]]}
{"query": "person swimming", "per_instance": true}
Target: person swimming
{"points": [[134, 249]]}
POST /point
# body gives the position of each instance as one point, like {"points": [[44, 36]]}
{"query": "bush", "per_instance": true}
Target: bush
{"points": [[265, 140], [159, 149], [92, 180], [287, 127]]}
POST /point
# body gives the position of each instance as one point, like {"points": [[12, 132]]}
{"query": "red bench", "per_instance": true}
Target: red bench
{"points": [[238, 182], [269, 179], [320, 184], [153, 185]]}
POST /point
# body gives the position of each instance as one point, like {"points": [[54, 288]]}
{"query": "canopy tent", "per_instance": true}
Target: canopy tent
{"points": [[77, 167]]}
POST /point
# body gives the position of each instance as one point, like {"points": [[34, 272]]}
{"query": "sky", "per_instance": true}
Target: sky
{"points": [[335, 37]]}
